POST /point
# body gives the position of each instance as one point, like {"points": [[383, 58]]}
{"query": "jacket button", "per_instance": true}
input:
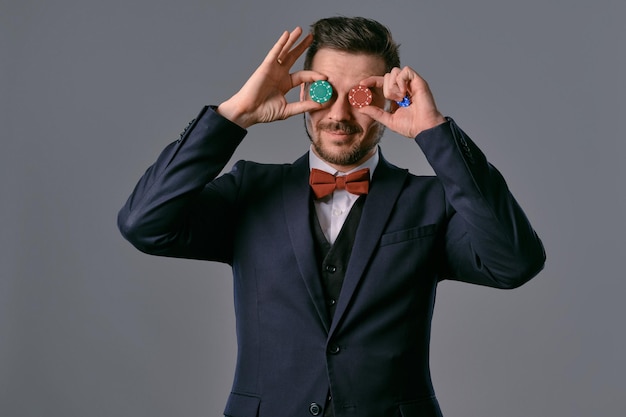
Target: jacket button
{"points": [[185, 130], [334, 349], [315, 409]]}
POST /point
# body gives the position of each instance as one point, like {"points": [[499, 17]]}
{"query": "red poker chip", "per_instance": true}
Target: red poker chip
{"points": [[360, 96]]}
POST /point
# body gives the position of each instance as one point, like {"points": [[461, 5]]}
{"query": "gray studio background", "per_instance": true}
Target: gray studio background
{"points": [[91, 91]]}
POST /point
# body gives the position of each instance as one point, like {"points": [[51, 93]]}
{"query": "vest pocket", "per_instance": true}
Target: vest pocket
{"points": [[242, 405]]}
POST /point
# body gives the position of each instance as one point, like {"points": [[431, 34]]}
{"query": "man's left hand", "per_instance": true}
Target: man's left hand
{"points": [[409, 121]]}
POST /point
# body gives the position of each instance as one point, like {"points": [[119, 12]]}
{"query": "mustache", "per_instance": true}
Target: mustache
{"points": [[343, 127]]}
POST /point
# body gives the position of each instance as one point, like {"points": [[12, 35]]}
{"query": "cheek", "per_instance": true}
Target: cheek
{"points": [[315, 116], [311, 121], [365, 122]]}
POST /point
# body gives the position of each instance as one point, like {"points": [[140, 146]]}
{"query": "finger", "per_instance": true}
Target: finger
{"points": [[377, 114], [299, 107], [306, 76], [274, 53], [292, 56], [407, 79], [283, 54], [389, 85], [394, 88], [409, 74], [375, 81]]}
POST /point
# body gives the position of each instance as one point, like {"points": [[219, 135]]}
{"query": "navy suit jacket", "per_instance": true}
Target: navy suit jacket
{"points": [[372, 357]]}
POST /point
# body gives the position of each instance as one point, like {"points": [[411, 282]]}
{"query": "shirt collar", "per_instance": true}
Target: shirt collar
{"points": [[318, 163]]}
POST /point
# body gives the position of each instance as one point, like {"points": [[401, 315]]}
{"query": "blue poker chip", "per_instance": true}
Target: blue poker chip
{"points": [[321, 91], [406, 101]]}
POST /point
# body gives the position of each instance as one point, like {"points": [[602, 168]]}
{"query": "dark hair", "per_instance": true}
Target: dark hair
{"points": [[354, 35]]}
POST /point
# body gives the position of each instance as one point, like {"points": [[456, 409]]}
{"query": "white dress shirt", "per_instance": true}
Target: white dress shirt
{"points": [[333, 210]]}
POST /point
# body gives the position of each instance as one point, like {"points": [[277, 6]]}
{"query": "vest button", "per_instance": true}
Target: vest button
{"points": [[331, 268], [315, 409]]}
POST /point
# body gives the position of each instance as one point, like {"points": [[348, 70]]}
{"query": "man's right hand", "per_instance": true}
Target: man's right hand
{"points": [[262, 98]]}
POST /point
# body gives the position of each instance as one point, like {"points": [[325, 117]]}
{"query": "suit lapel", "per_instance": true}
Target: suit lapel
{"points": [[386, 185], [296, 199]]}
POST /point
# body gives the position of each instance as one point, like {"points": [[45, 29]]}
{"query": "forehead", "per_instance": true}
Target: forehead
{"points": [[346, 66]]}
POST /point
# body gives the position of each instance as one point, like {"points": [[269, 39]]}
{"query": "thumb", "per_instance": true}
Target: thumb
{"points": [[377, 114], [299, 107]]}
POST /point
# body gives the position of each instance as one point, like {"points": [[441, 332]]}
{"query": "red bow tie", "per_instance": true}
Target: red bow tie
{"points": [[324, 184]]}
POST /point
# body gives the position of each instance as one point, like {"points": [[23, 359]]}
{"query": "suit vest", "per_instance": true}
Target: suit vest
{"points": [[333, 261]]}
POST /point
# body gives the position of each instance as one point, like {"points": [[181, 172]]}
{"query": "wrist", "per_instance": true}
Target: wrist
{"points": [[231, 111], [429, 123]]}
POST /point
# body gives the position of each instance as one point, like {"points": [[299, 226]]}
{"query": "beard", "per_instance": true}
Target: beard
{"points": [[351, 156]]}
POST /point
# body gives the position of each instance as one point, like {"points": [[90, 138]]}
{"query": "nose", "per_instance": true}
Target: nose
{"points": [[340, 109]]}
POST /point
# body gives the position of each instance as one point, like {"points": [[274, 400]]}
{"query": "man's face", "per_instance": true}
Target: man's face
{"points": [[340, 135]]}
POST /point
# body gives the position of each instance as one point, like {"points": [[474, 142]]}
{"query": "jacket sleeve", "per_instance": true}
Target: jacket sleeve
{"points": [[488, 241], [178, 208]]}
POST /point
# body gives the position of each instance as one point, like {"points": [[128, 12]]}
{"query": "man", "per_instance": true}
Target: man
{"points": [[334, 293]]}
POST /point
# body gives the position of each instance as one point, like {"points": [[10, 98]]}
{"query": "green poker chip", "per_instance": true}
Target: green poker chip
{"points": [[321, 91]]}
